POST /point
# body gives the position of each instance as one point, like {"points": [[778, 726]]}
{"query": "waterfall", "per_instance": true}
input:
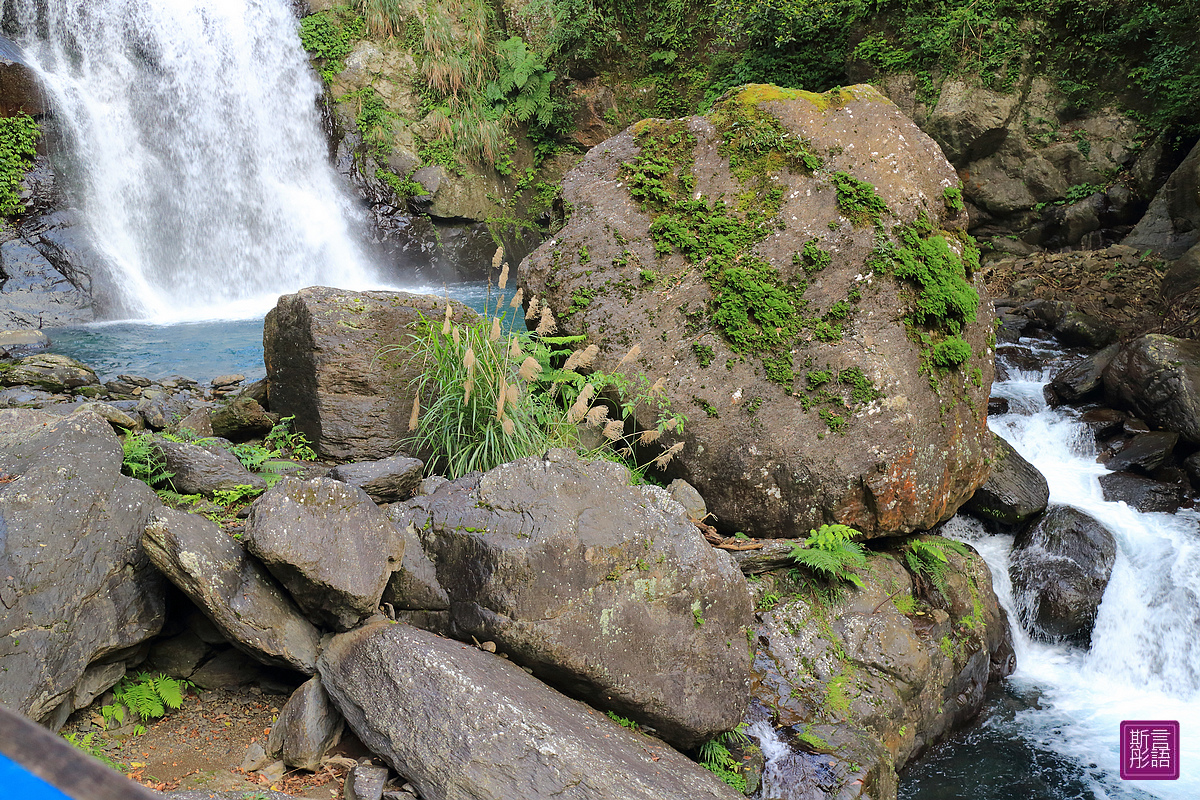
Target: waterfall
{"points": [[198, 159], [1144, 662]]}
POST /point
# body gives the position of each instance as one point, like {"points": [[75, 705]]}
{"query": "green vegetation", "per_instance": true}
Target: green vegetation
{"points": [[704, 353], [857, 199], [927, 559], [18, 147], [953, 199], [145, 696], [624, 722], [92, 744], [831, 553], [142, 460], [717, 759], [330, 36]]}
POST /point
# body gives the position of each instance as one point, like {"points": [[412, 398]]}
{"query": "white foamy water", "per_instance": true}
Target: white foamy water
{"points": [[195, 135], [1144, 662]]}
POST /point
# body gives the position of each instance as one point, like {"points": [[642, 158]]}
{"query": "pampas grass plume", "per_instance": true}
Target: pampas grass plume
{"points": [[546, 324], [668, 454], [614, 430], [633, 353], [597, 416], [517, 299], [494, 336], [416, 413], [532, 311]]}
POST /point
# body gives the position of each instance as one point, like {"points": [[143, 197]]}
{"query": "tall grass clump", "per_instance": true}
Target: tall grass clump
{"points": [[489, 392]]}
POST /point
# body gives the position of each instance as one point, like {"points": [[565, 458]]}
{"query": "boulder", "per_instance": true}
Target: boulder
{"points": [[1103, 422], [114, 416], [365, 782], [881, 673], [1171, 225], [1059, 569], [16, 343], [1144, 494], [601, 588], [335, 361], [1158, 378], [75, 586], [49, 371], [308, 725], [970, 122], [1145, 451], [1080, 380], [21, 90], [232, 588], [1079, 329], [178, 656], [1013, 494], [414, 585], [161, 408], [329, 544], [385, 481], [199, 470], [197, 423], [488, 729], [781, 390], [227, 669], [241, 418], [1183, 276]]}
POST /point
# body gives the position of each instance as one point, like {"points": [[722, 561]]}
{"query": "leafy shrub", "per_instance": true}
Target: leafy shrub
{"points": [[330, 36], [831, 552], [18, 147], [284, 438]]}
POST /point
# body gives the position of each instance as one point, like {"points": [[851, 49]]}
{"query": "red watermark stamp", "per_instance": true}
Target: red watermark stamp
{"points": [[1149, 750]]}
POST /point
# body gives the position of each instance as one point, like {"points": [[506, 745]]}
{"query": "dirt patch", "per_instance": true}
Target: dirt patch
{"points": [[202, 746], [1119, 285]]}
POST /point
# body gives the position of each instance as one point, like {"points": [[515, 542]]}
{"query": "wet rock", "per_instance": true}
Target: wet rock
{"points": [[781, 468], [74, 582], [1144, 494], [242, 418], [1191, 465], [1059, 569], [1012, 327], [997, 406], [17, 343], [199, 470], [1146, 451], [385, 481], [880, 673], [1012, 495], [308, 725], [489, 729], [1158, 378], [1078, 329], [1080, 380], [1104, 422], [329, 544], [322, 347], [48, 371], [233, 589], [601, 588]]}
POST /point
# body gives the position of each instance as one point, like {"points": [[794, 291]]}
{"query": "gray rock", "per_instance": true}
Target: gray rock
{"points": [[1191, 465], [1059, 569], [1158, 378], [1146, 451], [232, 588], [308, 725], [365, 782], [1083, 379], [228, 669], [1144, 494], [256, 758], [241, 418], [1013, 494], [97, 679], [273, 772], [1171, 225], [488, 729], [329, 544], [178, 656], [224, 381], [161, 408], [198, 422], [386, 481], [22, 342], [602, 588], [321, 348], [49, 371], [34, 293], [432, 484], [1077, 329], [115, 416], [1182, 277], [686, 495], [75, 585], [970, 122], [200, 470], [414, 586]]}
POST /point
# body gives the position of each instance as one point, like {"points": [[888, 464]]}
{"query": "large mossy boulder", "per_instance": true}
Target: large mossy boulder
{"points": [[794, 269], [603, 589], [1060, 568], [460, 723], [1158, 378], [875, 675], [75, 586], [336, 361]]}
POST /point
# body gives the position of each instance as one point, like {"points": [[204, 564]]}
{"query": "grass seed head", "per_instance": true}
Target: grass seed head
{"points": [[494, 335], [530, 368], [507, 426], [668, 454], [503, 273], [514, 349], [649, 436], [517, 299], [546, 324], [469, 360], [597, 416], [633, 353], [614, 430], [532, 311], [415, 414]]}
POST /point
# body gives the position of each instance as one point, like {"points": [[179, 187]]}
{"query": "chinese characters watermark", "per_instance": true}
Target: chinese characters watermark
{"points": [[1149, 750]]}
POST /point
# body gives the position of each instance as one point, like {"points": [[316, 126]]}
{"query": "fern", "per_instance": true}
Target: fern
{"points": [[146, 696], [716, 758], [830, 552], [927, 557], [143, 461]]}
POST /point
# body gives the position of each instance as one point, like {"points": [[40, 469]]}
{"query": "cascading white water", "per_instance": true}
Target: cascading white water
{"points": [[204, 175], [1144, 662]]}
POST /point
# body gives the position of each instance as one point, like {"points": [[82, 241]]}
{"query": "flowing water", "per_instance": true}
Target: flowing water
{"points": [[1051, 730], [195, 150]]}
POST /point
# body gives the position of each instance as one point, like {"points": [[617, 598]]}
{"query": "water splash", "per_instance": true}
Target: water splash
{"points": [[203, 173]]}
